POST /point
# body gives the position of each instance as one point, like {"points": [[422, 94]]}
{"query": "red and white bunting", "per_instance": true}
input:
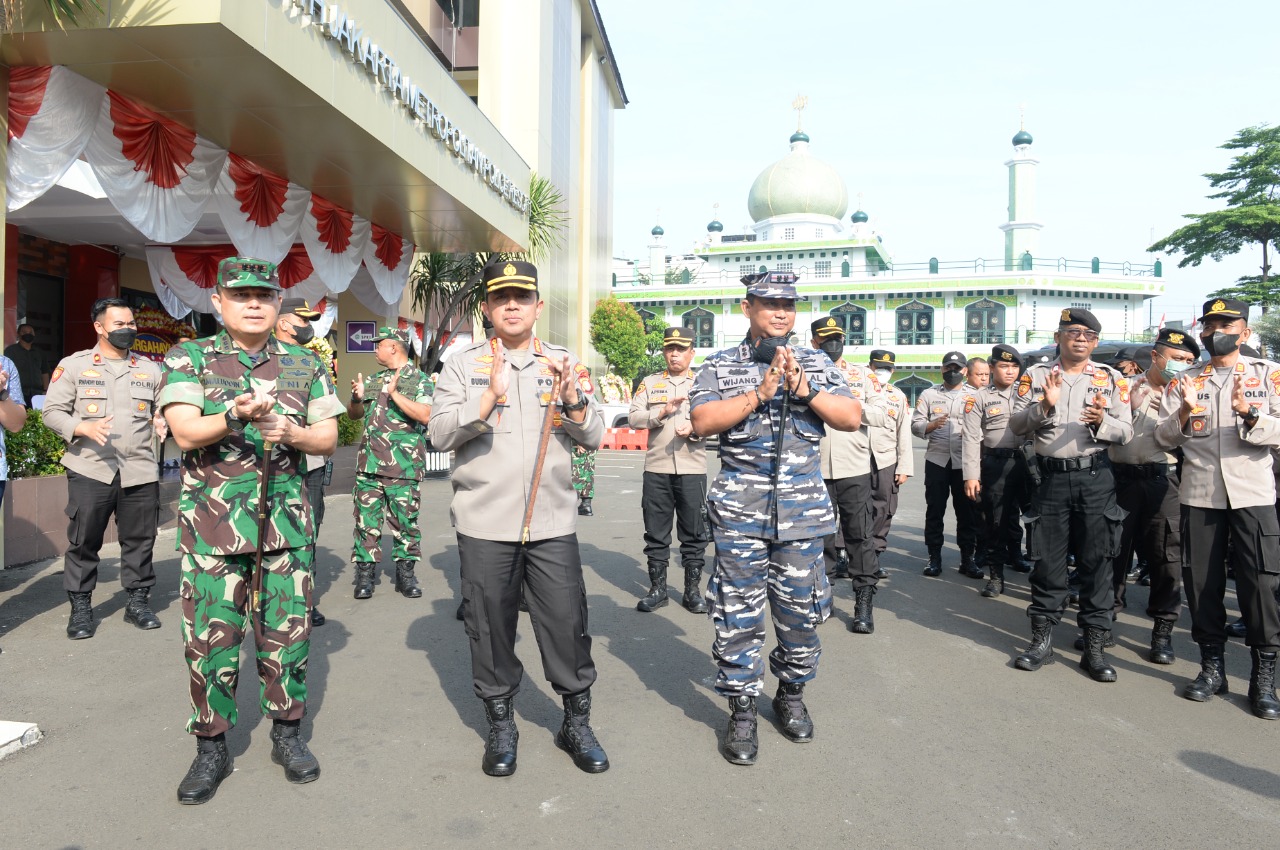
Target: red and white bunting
{"points": [[52, 113], [260, 211], [389, 258], [336, 240]]}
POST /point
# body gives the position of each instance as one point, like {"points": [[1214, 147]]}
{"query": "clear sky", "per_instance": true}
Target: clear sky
{"points": [[915, 103]]}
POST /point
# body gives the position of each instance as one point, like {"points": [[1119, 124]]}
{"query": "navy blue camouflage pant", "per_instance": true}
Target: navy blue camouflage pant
{"points": [[790, 576]]}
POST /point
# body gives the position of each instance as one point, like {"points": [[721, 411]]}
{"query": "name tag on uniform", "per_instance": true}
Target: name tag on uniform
{"points": [[730, 377]]}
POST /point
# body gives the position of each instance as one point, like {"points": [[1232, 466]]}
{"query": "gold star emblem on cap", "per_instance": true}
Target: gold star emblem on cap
{"points": [[1066, 314], [1217, 306], [508, 269], [1176, 339]]}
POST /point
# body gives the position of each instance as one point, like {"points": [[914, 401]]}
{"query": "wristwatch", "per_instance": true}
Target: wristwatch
{"points": [[577, 405], [234, 423], [1252, 415]]}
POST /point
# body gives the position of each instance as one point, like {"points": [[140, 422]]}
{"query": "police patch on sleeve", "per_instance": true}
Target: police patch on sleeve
{"points": [[1024, 386], [969, 402], [57, 373], [1122, 384]]}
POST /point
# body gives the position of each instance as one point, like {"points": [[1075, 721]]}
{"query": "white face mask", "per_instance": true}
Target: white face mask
{"points": [[883, 375]]}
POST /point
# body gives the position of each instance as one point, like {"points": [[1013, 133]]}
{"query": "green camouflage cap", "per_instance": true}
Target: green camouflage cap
{"points": [[399, 335], [240, 272]]}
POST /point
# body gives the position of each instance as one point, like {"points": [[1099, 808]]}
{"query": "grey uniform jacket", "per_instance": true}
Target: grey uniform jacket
{"points": [[945, 444], [1145, 401], [891, 442], [846, 454], [1225, 464], [87, 386], [494, 457], [669, 453], [986, 425], [1060, 433]]}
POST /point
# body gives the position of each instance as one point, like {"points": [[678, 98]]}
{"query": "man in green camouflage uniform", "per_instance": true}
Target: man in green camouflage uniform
{"points": [[395, 404], [584, 478], [227, 398]]}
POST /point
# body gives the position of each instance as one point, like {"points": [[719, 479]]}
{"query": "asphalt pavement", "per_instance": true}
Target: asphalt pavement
{"points": [[926, 734]]}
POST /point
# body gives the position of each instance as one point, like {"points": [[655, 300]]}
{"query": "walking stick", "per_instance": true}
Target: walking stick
{"points": [[543, 442], [264, 514]]}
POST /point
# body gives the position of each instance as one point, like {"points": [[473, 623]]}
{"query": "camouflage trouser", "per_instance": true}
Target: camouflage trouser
{"points": [[584, 472], [399, 499], [791, 576], [216, 591]]}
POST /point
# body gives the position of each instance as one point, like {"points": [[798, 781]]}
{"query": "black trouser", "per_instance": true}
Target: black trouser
{"points": [[1154, 528], [884, 501], [1255, 543], [684, 496], [851, 498], [939, 483], [314, 482], [1004, 495], [1074, 510], [550, 571], [90, 505]]}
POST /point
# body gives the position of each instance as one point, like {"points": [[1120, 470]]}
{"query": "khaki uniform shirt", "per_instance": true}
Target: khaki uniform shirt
{"points": [[891, 442], [669, 453], [1060, 433], [88, 386], [846, 454], [1144, 401], [1225, 465], [494, 457], [944, 445], [986, 426]]}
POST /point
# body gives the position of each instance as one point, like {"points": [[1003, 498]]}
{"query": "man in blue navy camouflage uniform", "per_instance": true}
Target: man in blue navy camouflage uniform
{"points": [[769, 508]]}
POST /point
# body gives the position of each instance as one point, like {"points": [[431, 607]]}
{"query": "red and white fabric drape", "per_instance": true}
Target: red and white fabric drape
{"points": [[162, 177]]}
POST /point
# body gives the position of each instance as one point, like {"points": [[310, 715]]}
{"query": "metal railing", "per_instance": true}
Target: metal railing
{"points": [[1021, 337]]}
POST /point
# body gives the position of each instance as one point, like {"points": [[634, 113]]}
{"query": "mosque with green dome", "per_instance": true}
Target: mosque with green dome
{"points": [[799, 207]]}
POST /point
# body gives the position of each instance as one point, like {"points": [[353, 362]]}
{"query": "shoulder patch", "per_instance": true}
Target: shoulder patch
{"points": [[1024, 385], [1122, 384], [969, 403], [584, 380], [57, 373]]}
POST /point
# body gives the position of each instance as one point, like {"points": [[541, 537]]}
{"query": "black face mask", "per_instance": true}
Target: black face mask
{"points": [[834, 349], [764, 348], [952, 377], [28, 338], [122, 338], [303, 334], [1219, 344]]}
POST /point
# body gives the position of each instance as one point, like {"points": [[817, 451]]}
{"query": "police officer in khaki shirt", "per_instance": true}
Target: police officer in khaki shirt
{"points": [[102, 402], [994, 469], [892, 458], [1147, 489], [1073, 408], [1226, 418], [675, 474], [490, 406]]}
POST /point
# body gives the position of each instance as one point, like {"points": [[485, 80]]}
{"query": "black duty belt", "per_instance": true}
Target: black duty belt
{"points": [[1074, 464], [1000, 452], [1144, 470]]}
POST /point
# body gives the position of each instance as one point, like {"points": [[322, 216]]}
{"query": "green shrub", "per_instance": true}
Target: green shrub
{"points": [[349, 430], [35, 450]]}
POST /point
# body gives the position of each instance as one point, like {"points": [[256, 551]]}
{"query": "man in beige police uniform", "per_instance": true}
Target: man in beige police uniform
{"points": [[1072, 409], [102, 402], [892, 457], [491, 403], [994, 469], [675, 474], [845, 458], [1226, 418]]}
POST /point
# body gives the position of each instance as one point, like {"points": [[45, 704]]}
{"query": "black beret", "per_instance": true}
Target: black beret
{"points": [[1079, 316], [1005, 354], [1181, 340]]}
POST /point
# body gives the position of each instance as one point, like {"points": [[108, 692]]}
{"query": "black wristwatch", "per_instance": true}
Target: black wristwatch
{"points": [[799, 399], [577, 405], [234, 423], [1252, 415]]}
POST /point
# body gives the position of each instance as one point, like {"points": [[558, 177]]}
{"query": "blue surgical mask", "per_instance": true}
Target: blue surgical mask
{"points": [[1173, 368]]}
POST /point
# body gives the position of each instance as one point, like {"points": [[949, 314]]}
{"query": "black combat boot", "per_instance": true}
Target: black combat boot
{"points": [[290, 751], [138, 610], [1040, 652], [577, 739], [1262, 686], [969, 567], [212, 765], [794, 718], [1161, 642], [1237, 629], [995, 580], [1213, 674], [406, 581], [863, 622], [80, 624], [693, 601], [881, 572], [1108, 644], [842, 564], [657, 596], [317, 619], [500, 745], [741, 743], [364, 581], [935, 564], [1093, 661], [584, 508]]}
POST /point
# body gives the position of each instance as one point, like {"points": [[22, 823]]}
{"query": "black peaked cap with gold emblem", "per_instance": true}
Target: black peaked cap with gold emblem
{"points": [[827, 327], [881, 357], [677, 336], [1225, 308], [509, 274]]}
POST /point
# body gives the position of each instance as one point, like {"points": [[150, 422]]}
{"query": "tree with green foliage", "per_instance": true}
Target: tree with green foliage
{"points": [[35, 450], [653, 360], [1251, 188], [618, 334]]}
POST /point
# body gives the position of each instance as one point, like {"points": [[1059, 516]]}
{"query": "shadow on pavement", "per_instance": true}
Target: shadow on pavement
{"points": [[1214, 766]]}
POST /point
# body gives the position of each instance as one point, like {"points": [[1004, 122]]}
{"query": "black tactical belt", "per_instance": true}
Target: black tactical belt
{"points": [[1074, 464], [1000, 452], [1144, 470]]}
